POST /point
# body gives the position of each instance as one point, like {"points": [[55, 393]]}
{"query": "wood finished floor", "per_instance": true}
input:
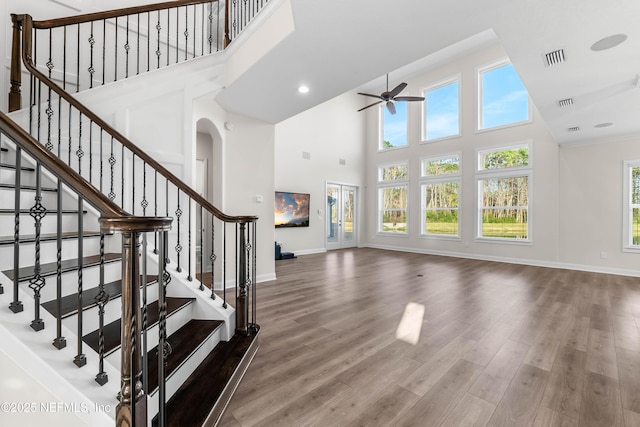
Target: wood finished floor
{"points": [[499, 345]]}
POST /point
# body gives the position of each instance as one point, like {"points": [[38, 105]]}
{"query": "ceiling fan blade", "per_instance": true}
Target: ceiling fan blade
{"points": [[391, 107], [375, 103], [409, 98], [397, 90], [368, 94]]}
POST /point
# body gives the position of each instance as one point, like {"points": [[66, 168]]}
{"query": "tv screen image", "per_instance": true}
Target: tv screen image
{"points": [[291, 209]]}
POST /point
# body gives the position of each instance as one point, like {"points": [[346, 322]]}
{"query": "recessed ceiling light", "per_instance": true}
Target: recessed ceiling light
{"points": [[303, 89], [608, 42], [603, 125]]}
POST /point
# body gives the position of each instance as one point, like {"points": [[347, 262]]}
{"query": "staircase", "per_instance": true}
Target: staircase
{"points": [[94, 217]]}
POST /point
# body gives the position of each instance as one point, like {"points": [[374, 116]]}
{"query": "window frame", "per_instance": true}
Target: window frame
{"points": [[385, 184], [509, 172], [457, 78], [426, 180], [479, 92], [381, 148], [627, 226]]}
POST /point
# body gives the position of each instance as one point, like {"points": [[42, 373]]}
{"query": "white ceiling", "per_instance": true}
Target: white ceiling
{"points": [[341, 45]]}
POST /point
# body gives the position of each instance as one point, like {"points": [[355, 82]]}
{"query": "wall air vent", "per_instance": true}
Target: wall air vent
{"points": [[565, 102], [554, 58], [574, 129]]}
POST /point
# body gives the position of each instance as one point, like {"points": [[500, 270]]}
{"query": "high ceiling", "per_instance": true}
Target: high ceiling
{"points": [[341, 45]]}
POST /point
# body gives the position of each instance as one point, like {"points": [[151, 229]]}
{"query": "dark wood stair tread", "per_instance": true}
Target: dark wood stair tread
{"points": [[69, 303], [10, 166], [30, 238], [112, 330], [184, 342], [207, 383], [51, 268], [28, 187]]}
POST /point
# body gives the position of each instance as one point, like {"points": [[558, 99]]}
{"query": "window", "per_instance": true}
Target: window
{"points": [[392, 198], [504, 186], [442, 110], [440, 190], [631, 237], [503, 99], [393, 126]]}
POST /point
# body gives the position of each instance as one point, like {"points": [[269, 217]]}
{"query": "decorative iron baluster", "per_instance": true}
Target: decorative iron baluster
{"points": [[213, 257], [178, 245], [115, 61], [186, 32], [210, 27], [104, 51], [101, 300], [101, 159], [177, 34], [112, 162], [138, 46], [189, 278], [168, 39], [201, 287], [148, 41], [49, 110], [37, 282], [80, 360], [127, 47], [166, 201], [16, 305], [59, 342], [144, 203], [78, 59], [158, 51], [224, 265], [195, 33], [79, 151], [91, 69], [164, 277], [69, 132]]}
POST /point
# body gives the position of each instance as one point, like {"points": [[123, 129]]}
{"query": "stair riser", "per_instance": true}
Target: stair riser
{"points": [[27, 198], [174, 322], [90, 277], [181, 375], [48, 251], [48, 223], [8, 176]]}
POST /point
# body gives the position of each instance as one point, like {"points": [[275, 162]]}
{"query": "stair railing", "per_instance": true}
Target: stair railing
{"points": [[102, 47], [112, 219]]}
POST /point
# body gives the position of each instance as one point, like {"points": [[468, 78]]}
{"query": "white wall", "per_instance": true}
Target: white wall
{"points": [[544, 200], [329, 132]]}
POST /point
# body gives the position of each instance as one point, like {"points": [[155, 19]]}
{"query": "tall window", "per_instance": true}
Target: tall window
{"points": [[442, 110], [631, 236], [393, 126], [503, 99], [440, 193], [504, 187], [392, 198]]}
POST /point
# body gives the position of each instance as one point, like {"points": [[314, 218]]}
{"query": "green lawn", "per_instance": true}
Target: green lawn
{"points": [[505, 230]]}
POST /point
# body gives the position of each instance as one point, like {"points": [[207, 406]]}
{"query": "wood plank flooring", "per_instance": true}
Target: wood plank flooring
{"points": [[499, 345]]}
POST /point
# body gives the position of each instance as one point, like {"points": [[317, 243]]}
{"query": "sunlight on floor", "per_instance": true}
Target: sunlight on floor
{"points": [[411, 323]]}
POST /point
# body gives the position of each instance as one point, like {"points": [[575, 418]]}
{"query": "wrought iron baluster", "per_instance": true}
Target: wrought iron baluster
{"points": [[127, 47], [91, 69], [155, 211], [64, 60], [224, 265], [158, 51], [144, 202], [148, 41], [163, 345], [189, 278], [201, 248], [177, 34], [80, 360], [104, 51], [115, 62], [80, 151], [168, 33], [69, 132], [204, 9], [59, 342], [213, 257], [78, 59], [49, 110], [138, 46], [186, 32], [91, 151], [101, 159], [178, 245], [37, 282], [112, 162], [210, 27], [16, 305], [195, 33], [101, 300]]}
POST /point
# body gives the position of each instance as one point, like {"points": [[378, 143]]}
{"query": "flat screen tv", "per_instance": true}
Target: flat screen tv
{"points": [[291, 209]]}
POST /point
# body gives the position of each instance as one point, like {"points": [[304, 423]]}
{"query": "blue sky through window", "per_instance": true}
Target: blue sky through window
{"points": [[442, 113], [504, 98], [395, 125]]}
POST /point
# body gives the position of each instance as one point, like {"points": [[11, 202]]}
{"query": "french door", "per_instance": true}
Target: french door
{"points": [[341, 213]]}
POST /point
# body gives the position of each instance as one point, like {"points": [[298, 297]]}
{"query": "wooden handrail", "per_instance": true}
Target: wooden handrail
{"points": [[27, 27], [96, 16]]}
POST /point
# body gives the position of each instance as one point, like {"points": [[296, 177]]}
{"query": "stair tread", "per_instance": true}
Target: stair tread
{"points": [[51, 268], [30, 238], [52, 211], [112, 330], [207, 383], [10, 166], [183, 343], [69, 303], [28, 187]]}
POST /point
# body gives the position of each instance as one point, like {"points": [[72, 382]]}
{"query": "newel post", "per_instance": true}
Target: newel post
{"points": [[242, 307], [15, 95]]}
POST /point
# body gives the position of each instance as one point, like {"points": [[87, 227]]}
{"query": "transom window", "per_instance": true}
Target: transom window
{"points": [[393, 127], [442, 110], [393, 188], [503, 100]]}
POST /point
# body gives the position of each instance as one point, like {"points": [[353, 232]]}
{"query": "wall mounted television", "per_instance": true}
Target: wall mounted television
{"points": [[291, 209]]}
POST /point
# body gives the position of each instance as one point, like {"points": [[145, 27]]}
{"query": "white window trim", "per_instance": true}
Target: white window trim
{"points": [[390, 184], [381, 149], [627, 238], [504, 173], [483, 69], [482, 150], [453, 79], [423, 209]]}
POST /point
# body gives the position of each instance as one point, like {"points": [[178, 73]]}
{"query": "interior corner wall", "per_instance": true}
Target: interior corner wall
{"points": [[544, 198], [592, 203], [325, 134]]}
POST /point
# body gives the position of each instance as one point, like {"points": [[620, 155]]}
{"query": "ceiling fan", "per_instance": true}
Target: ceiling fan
{"points": [[391, 96]]}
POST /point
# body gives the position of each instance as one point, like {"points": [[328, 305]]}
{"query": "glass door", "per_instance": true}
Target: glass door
{"points": [[341, 216]]}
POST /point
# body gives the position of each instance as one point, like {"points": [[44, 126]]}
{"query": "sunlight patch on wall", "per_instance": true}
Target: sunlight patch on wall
{"points": [[411, 323]]}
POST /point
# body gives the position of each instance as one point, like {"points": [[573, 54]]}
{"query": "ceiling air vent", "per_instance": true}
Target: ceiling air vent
{"points": [[565, 102], [554, 58], [574, 129]]}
